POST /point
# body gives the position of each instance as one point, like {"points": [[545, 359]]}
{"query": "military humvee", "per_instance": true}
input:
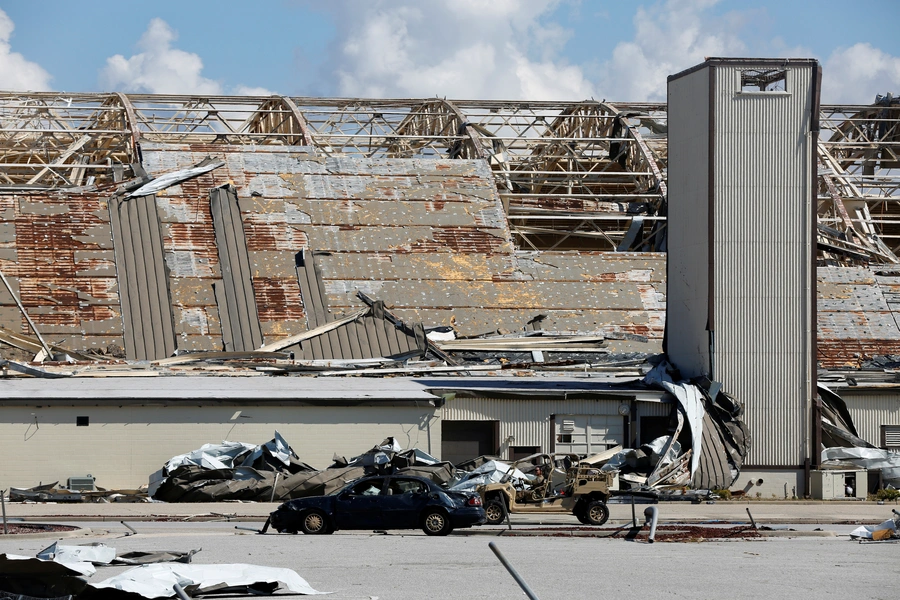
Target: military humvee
{"points": [[583, 492]]}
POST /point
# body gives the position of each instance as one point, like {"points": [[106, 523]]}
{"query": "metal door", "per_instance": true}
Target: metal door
{"points": [[588, 434]]}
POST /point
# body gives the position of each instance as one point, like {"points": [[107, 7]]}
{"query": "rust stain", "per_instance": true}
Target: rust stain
{"points": [[459, 239], [267, 236], [199, 237], [278, 300], [851, 353]]}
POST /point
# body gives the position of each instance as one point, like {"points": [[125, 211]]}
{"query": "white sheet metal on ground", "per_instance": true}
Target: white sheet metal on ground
{"points": [[490, 472], [691, 400], [158, 580], [866, 531], [170, 179], [98, 554], [869, 458], [15, 564]]}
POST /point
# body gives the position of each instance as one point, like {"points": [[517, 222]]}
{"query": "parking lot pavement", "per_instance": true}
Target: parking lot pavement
{"points": [[685, 512], [410, 565]]}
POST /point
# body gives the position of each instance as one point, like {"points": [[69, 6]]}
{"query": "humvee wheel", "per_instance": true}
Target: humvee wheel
{"points": [[596, 512], [494, 510]]}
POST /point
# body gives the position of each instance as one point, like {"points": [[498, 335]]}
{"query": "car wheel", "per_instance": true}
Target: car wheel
{"points": [[596, 512], [436, 523], [315, 523], [580, 514], [494, 512]]}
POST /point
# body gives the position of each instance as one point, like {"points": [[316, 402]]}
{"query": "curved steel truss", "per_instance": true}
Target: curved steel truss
{"points": [[571, 175]]}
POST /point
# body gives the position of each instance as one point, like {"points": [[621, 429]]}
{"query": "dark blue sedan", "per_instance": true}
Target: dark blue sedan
{"points": [[382, 502]]}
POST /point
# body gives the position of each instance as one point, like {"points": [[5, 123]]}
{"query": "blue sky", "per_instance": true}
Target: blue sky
{"points": [[473, 49]]}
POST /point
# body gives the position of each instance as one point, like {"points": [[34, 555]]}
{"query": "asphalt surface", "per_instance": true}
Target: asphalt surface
{"points": [[803, 563]]}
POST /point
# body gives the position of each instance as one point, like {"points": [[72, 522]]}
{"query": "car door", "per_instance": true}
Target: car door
{"points": [[403, 503], [358, 505]]}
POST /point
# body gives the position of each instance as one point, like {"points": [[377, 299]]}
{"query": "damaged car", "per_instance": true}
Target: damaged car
{"points": [[382, 502]]}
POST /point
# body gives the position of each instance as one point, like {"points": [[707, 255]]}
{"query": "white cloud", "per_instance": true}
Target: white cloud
{"points": [[17, 73], [453, 48], [856, 74], [245, 90], [158, 68], [669, 38]]}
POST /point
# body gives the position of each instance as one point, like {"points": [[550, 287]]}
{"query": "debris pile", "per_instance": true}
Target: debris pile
{"points": [[62, 571]]}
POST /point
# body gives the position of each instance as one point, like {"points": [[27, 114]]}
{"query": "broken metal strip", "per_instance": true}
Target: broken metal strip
{"points": [[34, 372], [149, 321], [192, 357], [295, 339], [401, 325], [31, 324], [243, 332], [25, 343]]}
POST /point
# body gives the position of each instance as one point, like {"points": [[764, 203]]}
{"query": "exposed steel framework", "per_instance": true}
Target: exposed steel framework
{"points": [[571, 175]]}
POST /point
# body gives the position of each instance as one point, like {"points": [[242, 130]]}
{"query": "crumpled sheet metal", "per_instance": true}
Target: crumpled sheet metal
{"points": [[41, 578], [14, 564], [175, 177], [691, 401], [720, 439], [490, 472], [158, 580], [887, 529], [155, 556], [96, 554], [226, 454], [869, 458]]}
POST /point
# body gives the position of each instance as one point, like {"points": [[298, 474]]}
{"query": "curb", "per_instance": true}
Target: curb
{"points": [[59, 535]]}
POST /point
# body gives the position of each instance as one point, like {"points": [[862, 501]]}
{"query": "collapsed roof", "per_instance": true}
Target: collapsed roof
{"points": [[149, 227]]}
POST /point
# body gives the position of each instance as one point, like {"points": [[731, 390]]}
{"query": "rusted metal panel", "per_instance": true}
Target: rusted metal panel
{"points": [[55, 252], [235, 297], [857, 316], [143, 281]]}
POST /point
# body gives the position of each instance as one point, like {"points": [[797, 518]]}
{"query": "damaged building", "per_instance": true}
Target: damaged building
{"points": [[470, 278]]}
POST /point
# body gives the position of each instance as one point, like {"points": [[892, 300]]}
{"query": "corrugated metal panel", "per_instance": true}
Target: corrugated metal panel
{"points": [[143, 280], [528, 420], [240, 321], [870, 411], [763, 329], [688, 223], [57, 253], [427, 237], [857, 317]]}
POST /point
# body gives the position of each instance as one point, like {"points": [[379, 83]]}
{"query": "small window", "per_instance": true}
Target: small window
{"points": [[890, 437], [564, 438], [82, 421], [763, 80]]}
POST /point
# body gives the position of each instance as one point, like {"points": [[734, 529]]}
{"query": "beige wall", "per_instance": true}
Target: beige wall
{"points": [[122, 446]]}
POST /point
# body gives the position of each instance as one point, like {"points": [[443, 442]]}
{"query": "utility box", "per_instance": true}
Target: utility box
{"points": [[833, 484], [84, 483]]}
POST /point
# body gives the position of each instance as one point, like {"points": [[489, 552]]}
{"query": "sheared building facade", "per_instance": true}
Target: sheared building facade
{"points": [[300, 263]]}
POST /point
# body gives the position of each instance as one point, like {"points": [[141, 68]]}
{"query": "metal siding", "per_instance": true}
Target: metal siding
{"points": [[243, 332], [870, 411], [528, 420], [763, 330], [143, 287], [687, 283]]}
